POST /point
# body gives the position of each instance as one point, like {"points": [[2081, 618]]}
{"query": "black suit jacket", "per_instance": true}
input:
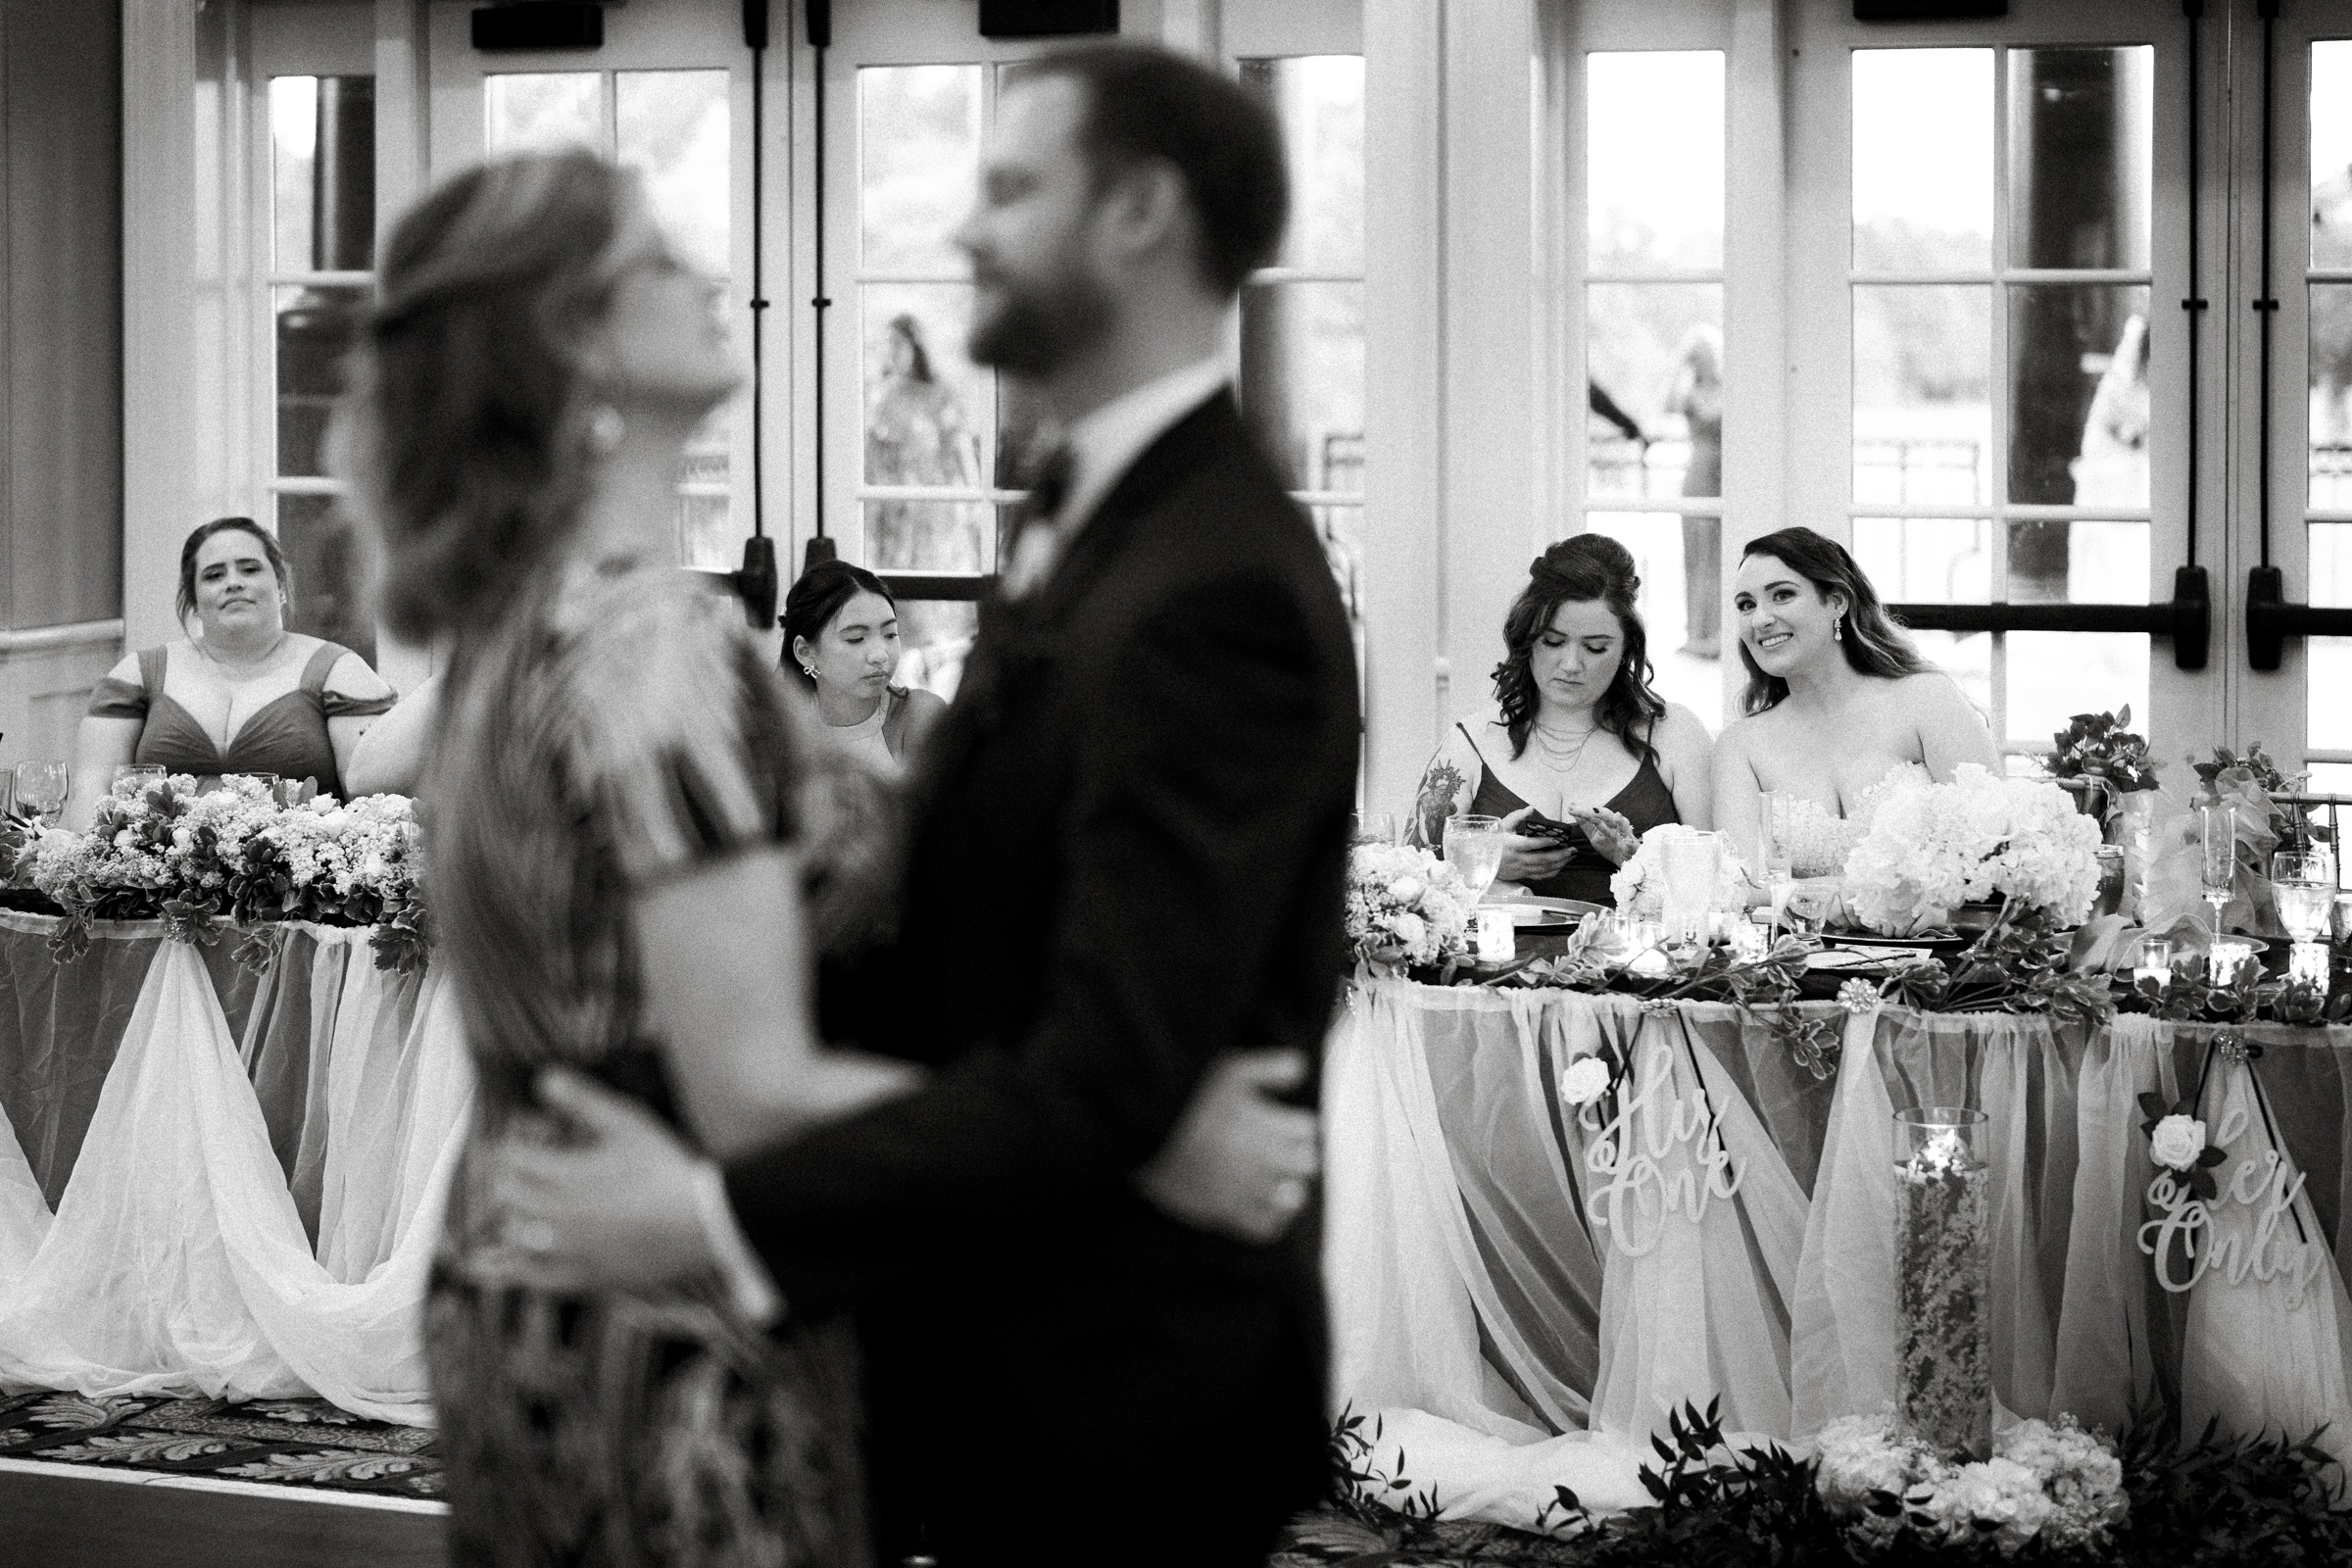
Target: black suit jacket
{"points": [[1128, 858]]}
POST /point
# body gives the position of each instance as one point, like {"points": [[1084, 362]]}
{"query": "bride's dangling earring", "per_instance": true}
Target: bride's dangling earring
{"points": [[1837, 628]]}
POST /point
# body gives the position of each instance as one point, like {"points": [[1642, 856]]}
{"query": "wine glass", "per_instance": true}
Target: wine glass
{"points": [[42, 787], [2217, 828], [1474, 847]]}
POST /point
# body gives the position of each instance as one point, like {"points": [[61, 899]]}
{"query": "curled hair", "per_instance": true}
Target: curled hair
{"points": [[1152, 105], [1586, 567], [186, 600], [817, 599], [1874, 644], [466, 433]]}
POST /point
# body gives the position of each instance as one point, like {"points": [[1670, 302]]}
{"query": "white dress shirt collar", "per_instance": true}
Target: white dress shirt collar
{"points": [[1106, 444]]}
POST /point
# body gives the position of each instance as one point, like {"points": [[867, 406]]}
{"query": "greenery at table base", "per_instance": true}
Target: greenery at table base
{"points": [[2211, 1502], [229, 856]]}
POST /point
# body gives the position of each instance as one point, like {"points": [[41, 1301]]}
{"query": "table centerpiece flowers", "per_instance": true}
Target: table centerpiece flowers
{"points": [[1407, 909], [1932, 848]]}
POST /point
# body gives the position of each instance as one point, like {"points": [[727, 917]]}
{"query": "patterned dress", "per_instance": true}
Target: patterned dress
{"points": [[619, 729]]}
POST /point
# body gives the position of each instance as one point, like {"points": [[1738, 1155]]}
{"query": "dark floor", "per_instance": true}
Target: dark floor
{"points": [[68, 1520]]}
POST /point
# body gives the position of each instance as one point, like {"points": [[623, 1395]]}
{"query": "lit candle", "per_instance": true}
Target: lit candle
{"points": [[2155, 962], [2226, 958], [1496, 942], [1749, 940]]}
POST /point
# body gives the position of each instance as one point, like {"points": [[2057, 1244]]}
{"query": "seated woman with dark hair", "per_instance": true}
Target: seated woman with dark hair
{"points": [[841, 638], [242, 695], [1836, 699], [1580, 757]]}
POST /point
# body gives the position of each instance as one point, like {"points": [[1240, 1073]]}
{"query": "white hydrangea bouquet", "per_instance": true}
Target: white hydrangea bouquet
{"points": [[1405, 907], [2052, 1483], [1932, 848]]}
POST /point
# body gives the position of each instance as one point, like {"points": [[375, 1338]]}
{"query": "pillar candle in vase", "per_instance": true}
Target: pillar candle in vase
{"points": [[1496, 943], [1943, 1276]]}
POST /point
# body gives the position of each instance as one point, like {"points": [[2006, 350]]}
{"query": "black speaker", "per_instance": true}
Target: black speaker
{"points": [[539, 24], [1047, 19], [1929, 10]]}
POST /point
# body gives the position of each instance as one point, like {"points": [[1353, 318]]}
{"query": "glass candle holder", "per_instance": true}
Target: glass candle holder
{"points": [[2153, 960], [1944, 1278], [2224, 959], [1494, 941]]}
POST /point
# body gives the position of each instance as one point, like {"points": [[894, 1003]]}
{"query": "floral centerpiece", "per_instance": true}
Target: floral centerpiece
{"points": [[2097, 747], [2053, 1483], [161, 851], [1933, 847], [1405, 908]]}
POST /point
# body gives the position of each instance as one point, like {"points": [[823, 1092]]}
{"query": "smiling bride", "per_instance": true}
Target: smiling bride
{"points": [[1836, 699]]}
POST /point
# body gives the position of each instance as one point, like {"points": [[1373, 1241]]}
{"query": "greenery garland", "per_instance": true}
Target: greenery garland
{"points": [[2213, 1501]]}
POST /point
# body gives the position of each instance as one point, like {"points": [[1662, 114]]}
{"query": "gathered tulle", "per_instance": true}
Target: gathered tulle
{"points": [[178, 1260]]}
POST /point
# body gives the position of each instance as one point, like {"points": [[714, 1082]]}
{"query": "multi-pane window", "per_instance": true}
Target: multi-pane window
{"points": [[948, 445], [2328, 502], [1999, 289], [943, 450], [320, 241], [1301, 378], [672, 127], [1653, 345]]}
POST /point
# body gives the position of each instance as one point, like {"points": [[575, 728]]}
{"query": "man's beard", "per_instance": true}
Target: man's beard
{"points": [[1037, 328]]}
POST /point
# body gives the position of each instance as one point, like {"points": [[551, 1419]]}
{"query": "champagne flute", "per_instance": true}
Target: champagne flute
{"points": [[1474, 847], [42, 787], [2217, 828], [1780, 857]]}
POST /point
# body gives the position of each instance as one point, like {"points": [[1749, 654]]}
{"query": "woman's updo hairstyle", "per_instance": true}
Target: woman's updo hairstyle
{"points": [[186, 597], [1582, 568], [1874, 644], [468, 434], [817, 599]]}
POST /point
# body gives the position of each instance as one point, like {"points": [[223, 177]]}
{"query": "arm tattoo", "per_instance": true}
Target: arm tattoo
{"points": [[1441, 786]]}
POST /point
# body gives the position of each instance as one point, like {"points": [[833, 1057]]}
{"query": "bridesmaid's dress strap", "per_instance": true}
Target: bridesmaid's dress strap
{"points": [[151, 669], [323, 664], [1474, 751]]}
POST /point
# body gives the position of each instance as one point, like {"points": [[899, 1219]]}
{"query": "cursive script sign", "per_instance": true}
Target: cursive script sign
{"points": [[1644, 1155], [2185, 1231]]}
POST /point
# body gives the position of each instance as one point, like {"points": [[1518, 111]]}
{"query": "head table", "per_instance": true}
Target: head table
{"points": [[1520, 1310], [216, 1179]]}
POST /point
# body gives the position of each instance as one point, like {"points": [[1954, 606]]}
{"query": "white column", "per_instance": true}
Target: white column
{"points": [[1404, 389], [1756, 369]]}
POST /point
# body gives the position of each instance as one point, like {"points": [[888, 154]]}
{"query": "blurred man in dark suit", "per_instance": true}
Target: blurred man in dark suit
{"points": [[1127, 863]]}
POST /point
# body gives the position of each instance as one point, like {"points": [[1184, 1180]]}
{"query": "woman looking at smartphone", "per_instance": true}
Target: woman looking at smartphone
{"points": [[1579, 758]]}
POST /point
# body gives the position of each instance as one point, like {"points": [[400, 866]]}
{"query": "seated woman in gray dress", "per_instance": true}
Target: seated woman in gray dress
{"points": [[1578, 756], [242, 695]]}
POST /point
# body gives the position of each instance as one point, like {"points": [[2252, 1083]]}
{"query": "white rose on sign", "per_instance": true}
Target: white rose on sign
{"points": [[2178, 1141], [1586, 1080]]}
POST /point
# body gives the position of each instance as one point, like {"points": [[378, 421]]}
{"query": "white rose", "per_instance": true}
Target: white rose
{"points": [[1586, 1080], [1410, 929], [2177, 1142], [1405, 889]]}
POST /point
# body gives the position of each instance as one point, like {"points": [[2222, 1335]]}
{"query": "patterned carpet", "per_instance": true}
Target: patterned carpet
{"points": [[292, 1443]]}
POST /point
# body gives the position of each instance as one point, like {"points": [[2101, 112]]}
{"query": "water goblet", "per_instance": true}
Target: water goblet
{"points": [[42, 787], [1372, 828], [147, 774], [2306, 892], [1474, 847]]}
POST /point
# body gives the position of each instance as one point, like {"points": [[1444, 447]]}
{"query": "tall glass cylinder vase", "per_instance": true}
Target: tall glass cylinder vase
{"points": [[1942, 1269]]}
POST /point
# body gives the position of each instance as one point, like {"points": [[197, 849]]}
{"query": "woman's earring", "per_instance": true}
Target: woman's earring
{"points": [[1837, 628], [809, 670], [606, 427]]}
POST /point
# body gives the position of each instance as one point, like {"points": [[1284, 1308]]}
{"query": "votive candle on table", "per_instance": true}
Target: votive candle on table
{"points": [[1749, 940], [2154, 962], [2226, 956], [1496, 943]]}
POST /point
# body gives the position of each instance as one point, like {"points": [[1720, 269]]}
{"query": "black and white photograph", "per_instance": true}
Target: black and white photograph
{"points": [[1175, 783]]}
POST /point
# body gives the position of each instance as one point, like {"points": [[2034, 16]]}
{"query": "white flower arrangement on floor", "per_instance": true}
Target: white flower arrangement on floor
{"points": [[1405, 907], [2055, 1483], [1933, 847]]}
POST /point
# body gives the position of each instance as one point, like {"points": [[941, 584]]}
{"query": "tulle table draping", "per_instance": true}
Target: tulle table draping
{"points": [[1521, 1294], [216, 1182]]}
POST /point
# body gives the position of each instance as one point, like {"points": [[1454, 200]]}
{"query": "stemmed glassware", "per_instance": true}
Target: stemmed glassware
{"points": [[1780, 860], [1474, 847], [2217, 827], [42, 787]]}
